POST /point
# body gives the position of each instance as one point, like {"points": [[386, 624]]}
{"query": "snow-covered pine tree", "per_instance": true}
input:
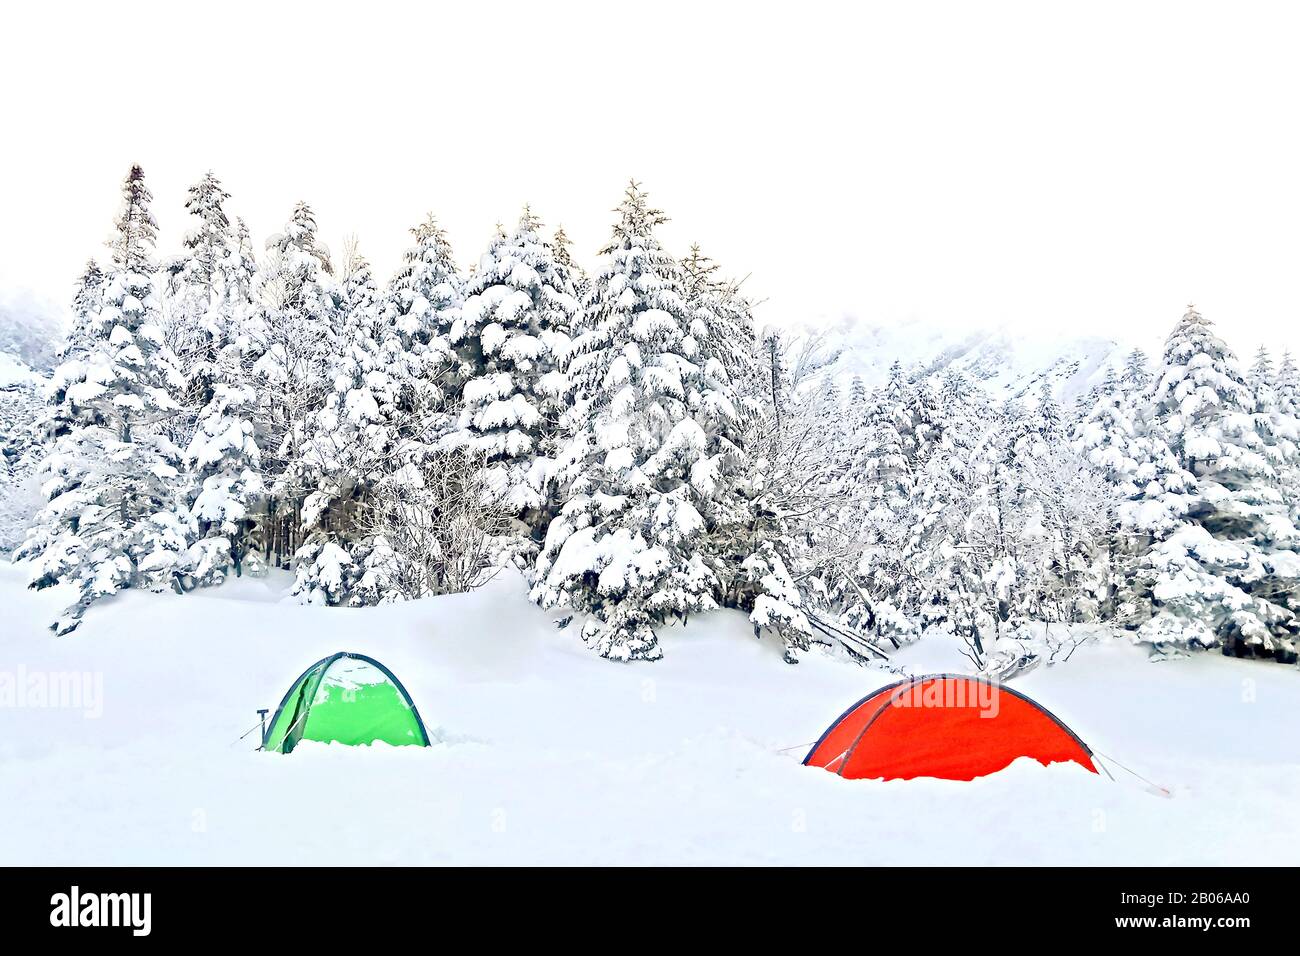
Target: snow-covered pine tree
{"points": [[208, 244], [1223, 569], [241, 267], [884, 467], [423, 303], [1261, 373], [724, 321], [348, 439], [31, 422], [943, 495], [226, 490], [225, 474], [372, 451], [1107, 436], [858, 395], [87, 299], [114, 518], [1049, 420], [1287, 385], [291, 338], [1287, 393], [198, 314], [830, 402], [1136, 377], [1003, 549], [1262, 379], [749, 391], [22, 447], [510, 342], [640, 466], [561, 243]]}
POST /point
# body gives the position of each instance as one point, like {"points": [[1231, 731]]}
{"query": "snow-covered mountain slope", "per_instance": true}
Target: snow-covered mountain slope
{"points": [[1007, 364], [548, 754], [31, 328], [14, 373]]}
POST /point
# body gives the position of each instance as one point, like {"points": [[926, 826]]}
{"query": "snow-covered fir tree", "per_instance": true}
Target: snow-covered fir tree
{"points": [[1136, 376], [510, 342], [1223, 569], [561, 244], [1287, 385], [885, 468], [423, 303], [641, 465], [87, 298], [197, 310], [207, 245], [225, 474], [355, 438], [241, 266], [24, 438], [291, 339], [114, 518]]}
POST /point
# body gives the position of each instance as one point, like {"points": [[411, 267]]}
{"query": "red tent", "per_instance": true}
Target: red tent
{"points": [[945, 725]]}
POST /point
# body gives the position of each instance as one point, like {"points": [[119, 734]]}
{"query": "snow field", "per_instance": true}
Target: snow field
{"points": [[552, 755]]}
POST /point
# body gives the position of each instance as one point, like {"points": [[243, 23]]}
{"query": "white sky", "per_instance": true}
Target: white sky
{"points": [[1082, 167]]}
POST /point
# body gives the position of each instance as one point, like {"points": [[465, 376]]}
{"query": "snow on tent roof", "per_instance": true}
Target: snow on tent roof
{"points": [[349, 699]]}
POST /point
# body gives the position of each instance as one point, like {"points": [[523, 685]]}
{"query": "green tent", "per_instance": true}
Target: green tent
{"points": [[347, 698]]}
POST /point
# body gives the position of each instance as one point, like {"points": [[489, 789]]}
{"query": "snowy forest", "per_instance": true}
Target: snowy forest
{"points": [[622, 432]]}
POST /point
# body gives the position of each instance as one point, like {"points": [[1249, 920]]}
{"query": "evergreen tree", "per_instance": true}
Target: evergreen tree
{"points": [[349, 440], [199, 318], [1050, 420], [208, 244], [1107, 438], [510, 341], [241, 267], [945, 578], [428, 290], [113, 519], [86, 301], [225, 473], [1221, 571], [1137, 373], [884, 467], [291, 338], [132, 245], [746, 391], [1262, 381], [1287, 387], [723, 322], [423, 304], [640, 465], [561, 244]]}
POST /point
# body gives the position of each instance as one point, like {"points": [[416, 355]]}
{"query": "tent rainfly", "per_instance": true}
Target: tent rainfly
{"points": [[951, 726], [347, 699]]}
